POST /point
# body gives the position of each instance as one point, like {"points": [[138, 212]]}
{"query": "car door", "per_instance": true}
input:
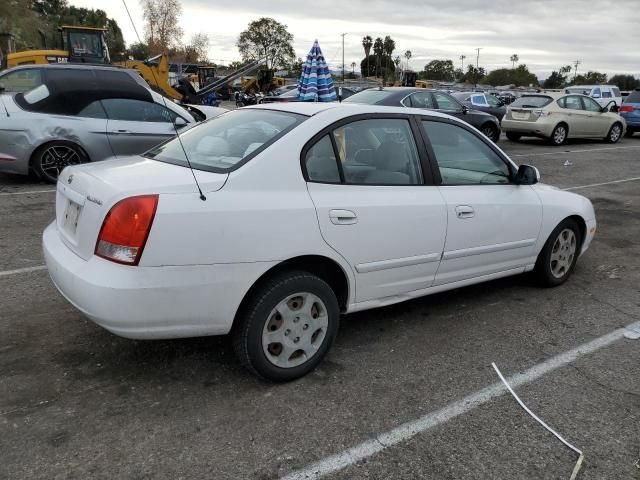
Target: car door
{"points": [[493, 224], [134, 126], [376, 205], [598, 122], [90, 127], [447, 104], [575, 115]]}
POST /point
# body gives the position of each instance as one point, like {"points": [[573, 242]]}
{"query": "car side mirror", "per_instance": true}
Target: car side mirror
{"points": [[527, 175], [180, 122], [465, 109], [614, 108]]}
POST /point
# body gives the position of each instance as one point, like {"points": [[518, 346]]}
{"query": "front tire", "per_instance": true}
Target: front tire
{"points": [[559, 135], [491, 131], [50, 159], [514, 137], [287, 326], [559, 255], [615, 133]]}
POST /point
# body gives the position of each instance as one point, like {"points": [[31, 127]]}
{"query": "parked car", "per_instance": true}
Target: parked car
{"points": [[603, 94], [81, 114], [431, 100], [292, 96], [294, 225], [630, 111], [559, 117], [507, 97], [483, 102]]}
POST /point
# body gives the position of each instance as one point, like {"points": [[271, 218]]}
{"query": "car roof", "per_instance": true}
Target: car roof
{"points": [[79, 66], [302, 108]]}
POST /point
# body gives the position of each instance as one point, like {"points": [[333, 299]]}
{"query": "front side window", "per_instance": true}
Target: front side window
{"points": [[93, 110], [445, 102], [137, 111], [379, 151], [320, 162], [228, 140], [21, 80], [591, 105], [463, 158], [491, 100]]}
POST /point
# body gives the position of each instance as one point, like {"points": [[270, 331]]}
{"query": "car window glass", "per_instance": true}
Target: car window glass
{"points": [[571, 102], [378, 152], [137, 111], [532, 101], [616, 91], [445, 102], [591, 105], [491, 100], [85, 45], [464, 159], [419, 100], [320, 162], [596, 92], [479, 100], [93, 110], [606, 94], [22, 80]]}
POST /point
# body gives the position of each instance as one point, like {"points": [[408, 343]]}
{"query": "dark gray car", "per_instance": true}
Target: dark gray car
{"points": [[430, 100], [482, 101]]}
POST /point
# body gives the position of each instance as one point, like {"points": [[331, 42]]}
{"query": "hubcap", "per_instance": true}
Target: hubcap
{"points": [[563, 252], [559, 135], [615, 133], [295, 330], [56, 158], [488, 131]]}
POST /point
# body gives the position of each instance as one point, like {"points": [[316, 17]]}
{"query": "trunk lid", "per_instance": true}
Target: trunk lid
{"points": [[86, 193]]}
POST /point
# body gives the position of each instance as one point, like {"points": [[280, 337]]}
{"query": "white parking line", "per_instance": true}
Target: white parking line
{"points": [[410, 429], [4, 194], [560, 152], [23, 270], [623, 180]]}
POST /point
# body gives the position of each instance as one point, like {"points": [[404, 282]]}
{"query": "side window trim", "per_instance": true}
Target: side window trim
{"points": [[336, 155], [427, 174], [486, 141]]}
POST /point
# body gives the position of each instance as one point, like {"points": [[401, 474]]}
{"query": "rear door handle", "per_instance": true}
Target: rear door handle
{"points": [[465, 211], [343, 217], [120, 132]]}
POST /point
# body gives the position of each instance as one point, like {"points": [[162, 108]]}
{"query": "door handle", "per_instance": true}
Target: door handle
{"points": [[343, 217], [120, 132], [465, 211]]}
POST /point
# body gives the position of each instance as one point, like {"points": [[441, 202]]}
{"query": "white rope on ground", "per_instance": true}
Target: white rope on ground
{"points": [[576, 469]]}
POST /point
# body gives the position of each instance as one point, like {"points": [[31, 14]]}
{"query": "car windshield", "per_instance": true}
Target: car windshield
{"points": [[227, 141], [532, 101], [370, 97]]}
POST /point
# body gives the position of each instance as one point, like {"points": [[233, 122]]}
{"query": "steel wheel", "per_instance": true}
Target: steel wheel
{"points": [[563, 253], [559, 135], [615, 133], [55, 157], [295, 330]]}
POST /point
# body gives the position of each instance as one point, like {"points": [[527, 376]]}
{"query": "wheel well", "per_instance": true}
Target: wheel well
{"points": [[325, 268], [566, 125], [582, 225], [50, 142]]}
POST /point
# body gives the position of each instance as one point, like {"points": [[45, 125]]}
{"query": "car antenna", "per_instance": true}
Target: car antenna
{"points": [[164, 100]]}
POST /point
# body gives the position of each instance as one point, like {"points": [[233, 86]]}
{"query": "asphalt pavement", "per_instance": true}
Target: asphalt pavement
{"points": [[79, 402]]}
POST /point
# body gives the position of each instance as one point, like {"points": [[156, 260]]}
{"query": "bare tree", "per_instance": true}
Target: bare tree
{"points": [[162, 30]]}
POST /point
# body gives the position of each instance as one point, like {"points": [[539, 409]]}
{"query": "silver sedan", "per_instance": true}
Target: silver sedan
{"points": [[76, 120]]}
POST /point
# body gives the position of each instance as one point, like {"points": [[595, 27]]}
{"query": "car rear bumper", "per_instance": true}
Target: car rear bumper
{"points": [[536, 129], [150, 302]]}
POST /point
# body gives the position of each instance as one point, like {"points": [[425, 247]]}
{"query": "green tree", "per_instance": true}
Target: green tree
{"points": [[474, 75], [520, 76], [388, 46], [439, 70], [383, 71], [590, 78], [408, 56], [138, 51], [514, 59], [266, 38], [625, 82], [557, 78], [367, 43], [378, 51]]}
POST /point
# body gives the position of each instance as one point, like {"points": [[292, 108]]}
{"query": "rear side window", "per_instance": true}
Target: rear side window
{"points": [[370, 97], [616, 91], [21, 80], [532, 101], [320, 162]]}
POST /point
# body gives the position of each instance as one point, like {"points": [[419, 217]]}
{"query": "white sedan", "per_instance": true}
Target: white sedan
{"points": [[307, 211]]}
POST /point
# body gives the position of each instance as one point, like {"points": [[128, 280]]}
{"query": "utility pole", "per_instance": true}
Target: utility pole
{"points": [[576, 63], [343, 34]]}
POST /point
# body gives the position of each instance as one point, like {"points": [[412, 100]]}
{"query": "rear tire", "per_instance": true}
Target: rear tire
{"points": [[287, 326], [559, 255], [50, 159], [491, 131], [615, 133], [559, 135], [514, 137]]}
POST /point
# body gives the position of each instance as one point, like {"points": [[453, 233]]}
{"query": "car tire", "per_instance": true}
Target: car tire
{"points": [[514, 137], [615, 133], [559, 255], [50, 159], [559, 135], [293, 309], [491, 131]]}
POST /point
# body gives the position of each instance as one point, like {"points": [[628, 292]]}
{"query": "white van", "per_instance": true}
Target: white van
{"points": [[603, 94]]}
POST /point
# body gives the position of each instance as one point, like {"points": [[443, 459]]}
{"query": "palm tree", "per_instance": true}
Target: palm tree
{"points": [[367, 42], [353, 69], [407, 55], [514, 59], [378, 50], [388, 46], [462, 57]]}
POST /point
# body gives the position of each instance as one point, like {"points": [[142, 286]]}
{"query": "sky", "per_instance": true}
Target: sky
{"points": [[545, 34]]}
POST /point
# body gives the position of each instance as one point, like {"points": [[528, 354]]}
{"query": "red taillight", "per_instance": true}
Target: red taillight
{"points": [[125, 229], [626, 108]]}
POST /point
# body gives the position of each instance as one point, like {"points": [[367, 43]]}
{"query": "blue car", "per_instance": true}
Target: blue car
{"points": [[630, 111]]}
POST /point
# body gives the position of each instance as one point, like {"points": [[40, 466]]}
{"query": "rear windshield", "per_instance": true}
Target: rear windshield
{"points": [[532, 101], [633, 97], [226, 142], [370, 97]]}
